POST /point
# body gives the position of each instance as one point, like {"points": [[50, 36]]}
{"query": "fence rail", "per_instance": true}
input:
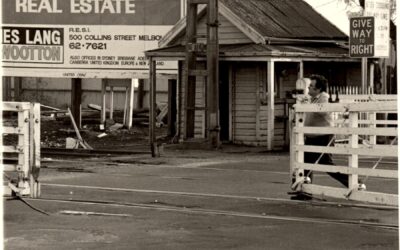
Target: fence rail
{"points": [[355, 146], [26, 148]]}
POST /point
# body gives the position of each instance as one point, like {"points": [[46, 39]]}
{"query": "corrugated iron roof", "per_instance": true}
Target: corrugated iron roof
{"points": [[284, 19]]}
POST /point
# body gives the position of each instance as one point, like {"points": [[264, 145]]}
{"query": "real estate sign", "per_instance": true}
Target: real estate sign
{"points": [[84, 38]]}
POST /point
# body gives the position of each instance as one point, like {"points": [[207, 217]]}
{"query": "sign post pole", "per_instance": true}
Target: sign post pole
{"points": [[364, 74]]}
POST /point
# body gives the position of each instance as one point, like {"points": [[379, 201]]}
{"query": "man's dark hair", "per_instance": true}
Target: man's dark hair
{"points": [[320, 82]]}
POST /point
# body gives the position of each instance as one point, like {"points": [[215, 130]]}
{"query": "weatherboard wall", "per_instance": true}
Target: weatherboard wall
{"points": [[227, 32]]}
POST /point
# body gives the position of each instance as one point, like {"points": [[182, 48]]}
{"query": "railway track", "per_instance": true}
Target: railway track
{"points": [[206, 211], [213, 212], [92, 152], [240, 197]]}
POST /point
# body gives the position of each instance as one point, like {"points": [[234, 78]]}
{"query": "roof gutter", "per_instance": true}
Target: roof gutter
{"points": [[272, 40]]}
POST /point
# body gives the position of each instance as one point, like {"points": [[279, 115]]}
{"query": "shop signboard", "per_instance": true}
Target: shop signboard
{"points": [[84, 38]]}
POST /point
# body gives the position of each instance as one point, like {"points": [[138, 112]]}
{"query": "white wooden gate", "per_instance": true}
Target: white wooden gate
{"points": [[351, 128], [22, 177]]}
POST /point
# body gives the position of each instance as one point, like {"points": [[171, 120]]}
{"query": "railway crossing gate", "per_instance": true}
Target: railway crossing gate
{"points": [[21, 148], [356, 130]]}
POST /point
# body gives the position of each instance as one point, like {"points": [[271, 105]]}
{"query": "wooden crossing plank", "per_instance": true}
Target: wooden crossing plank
{"points": [[383, 173], [15, 106], [341, 193], [12, 130], [349, 107], [390, 151], [368, 122], [348, 131], [11, 167]]}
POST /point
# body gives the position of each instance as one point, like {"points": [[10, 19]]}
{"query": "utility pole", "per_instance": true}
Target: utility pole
{"points": [[76, 100], [190, 89], [213, 74], [193, 49]]}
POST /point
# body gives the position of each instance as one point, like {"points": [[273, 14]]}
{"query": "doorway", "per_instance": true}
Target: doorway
{"points": [[224, 101]]}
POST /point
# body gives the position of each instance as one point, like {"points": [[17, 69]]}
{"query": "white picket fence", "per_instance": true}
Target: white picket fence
{"points": [[22, 177], [352, 127], [350, 90]]}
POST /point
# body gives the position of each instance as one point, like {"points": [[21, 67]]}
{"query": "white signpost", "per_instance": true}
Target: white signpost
{"points": [[84, 38], [369, 35], [380, 9]]}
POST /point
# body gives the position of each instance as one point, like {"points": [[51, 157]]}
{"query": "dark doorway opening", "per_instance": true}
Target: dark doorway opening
{"points": [[224, 101]]}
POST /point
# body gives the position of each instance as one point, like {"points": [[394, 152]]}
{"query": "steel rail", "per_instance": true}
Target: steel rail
{"points": [[225, 213], [90, 152], [185, 166], [358, 205]]}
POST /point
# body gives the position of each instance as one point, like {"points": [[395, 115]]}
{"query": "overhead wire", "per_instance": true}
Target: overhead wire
{"points": [[325, 4]]}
